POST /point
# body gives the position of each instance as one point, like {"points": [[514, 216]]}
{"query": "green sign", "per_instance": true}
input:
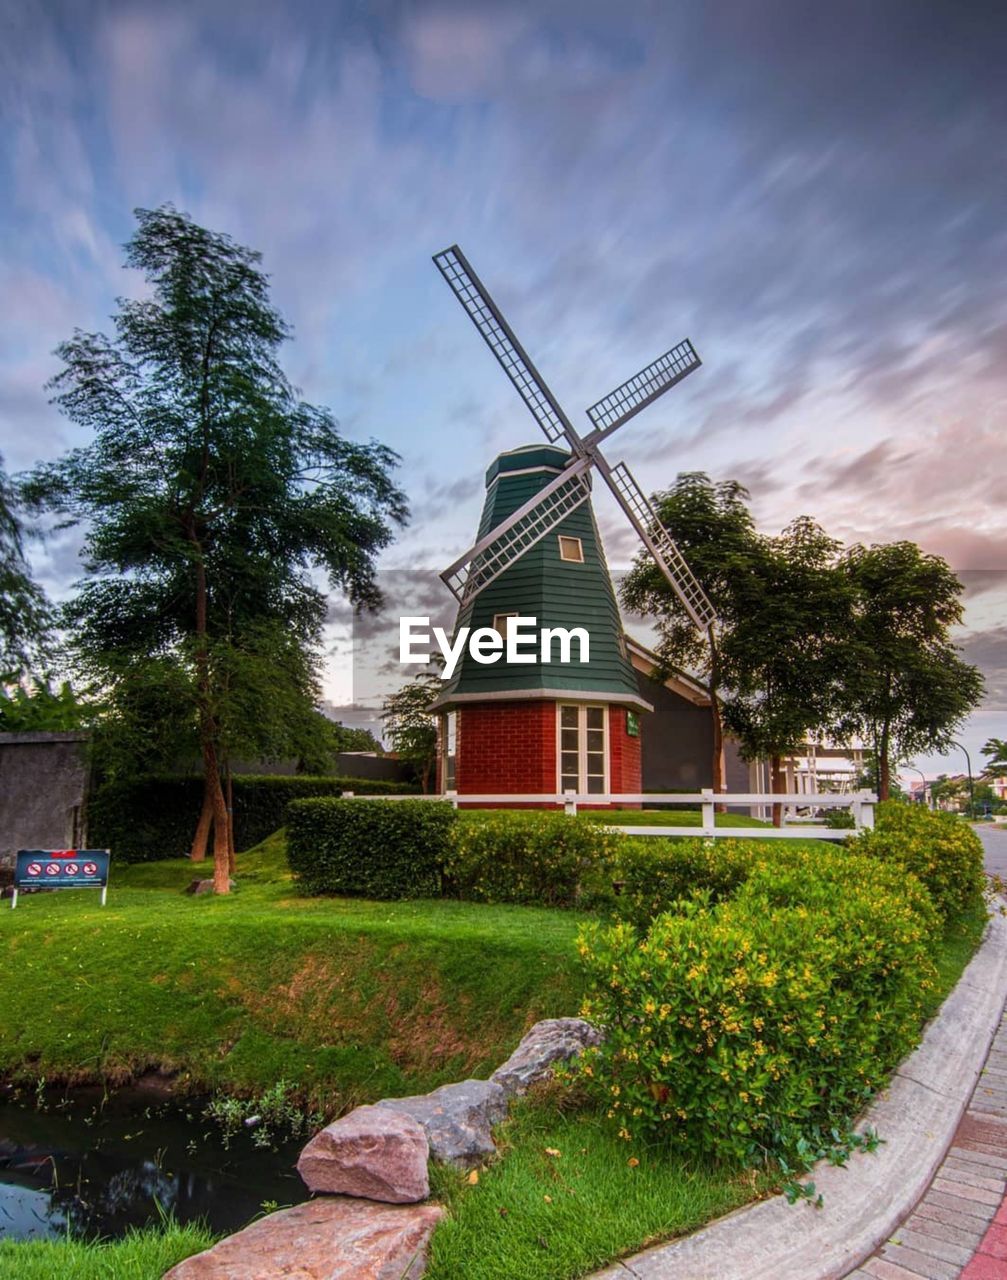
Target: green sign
{"points": [[632, 724]]}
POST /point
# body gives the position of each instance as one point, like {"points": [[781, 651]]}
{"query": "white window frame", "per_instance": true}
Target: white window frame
{"points": [[577, 559], [582, 710], [449, 770]]}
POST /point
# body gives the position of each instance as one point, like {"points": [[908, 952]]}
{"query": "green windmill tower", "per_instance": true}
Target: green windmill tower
{"points": [[546, 720]]}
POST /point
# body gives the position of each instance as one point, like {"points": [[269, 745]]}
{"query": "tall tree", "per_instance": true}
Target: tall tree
{"points": [[24, 614], [995, 750], [210, 492], [791, 650], [909, 689], [714, 528], [411, 726]]}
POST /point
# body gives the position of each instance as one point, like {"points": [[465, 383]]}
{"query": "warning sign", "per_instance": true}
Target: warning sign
{"points": [[61, 869]]}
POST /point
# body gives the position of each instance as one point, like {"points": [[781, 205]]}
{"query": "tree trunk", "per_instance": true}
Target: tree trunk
{"points": [[779, 787], [213, 795], [199, 841], [884, 765]]}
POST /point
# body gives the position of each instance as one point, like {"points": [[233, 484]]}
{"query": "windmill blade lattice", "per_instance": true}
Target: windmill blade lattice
{"points": [[502, 341], [642, 389], [508, 542], [661, 545]]}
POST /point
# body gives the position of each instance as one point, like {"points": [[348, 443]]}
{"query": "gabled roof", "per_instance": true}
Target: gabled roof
{"points": [[680, 682]]}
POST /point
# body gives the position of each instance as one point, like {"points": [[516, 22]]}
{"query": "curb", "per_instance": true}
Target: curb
{"points": [[917, 1116]]}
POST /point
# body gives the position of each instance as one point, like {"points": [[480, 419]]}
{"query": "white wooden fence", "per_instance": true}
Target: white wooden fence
{"points": [[860, 803]]}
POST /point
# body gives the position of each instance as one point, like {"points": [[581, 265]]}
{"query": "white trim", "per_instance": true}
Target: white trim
{"points": [[537, 695], [579, 548], [582, 708]]}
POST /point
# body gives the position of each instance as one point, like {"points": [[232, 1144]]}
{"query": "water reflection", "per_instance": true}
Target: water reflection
{"points": [[103, 1165]]}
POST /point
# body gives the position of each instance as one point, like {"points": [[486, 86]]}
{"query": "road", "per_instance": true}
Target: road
{"points": [[994, 840]]}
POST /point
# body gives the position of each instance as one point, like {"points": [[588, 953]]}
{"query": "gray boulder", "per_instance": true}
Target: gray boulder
{"points": [[457, 1119], [372, 1152], [548, 1042]]}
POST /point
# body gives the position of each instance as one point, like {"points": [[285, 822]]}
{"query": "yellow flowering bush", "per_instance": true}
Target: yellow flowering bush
{"points": [[537, 857], [739, 1027], [938, 848]]}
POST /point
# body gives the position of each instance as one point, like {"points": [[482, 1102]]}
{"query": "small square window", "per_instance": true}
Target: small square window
{"points": [[571, 549], [500, 623]]}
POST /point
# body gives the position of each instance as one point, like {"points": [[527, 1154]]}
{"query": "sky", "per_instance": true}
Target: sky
{"points": [[816, 195]]}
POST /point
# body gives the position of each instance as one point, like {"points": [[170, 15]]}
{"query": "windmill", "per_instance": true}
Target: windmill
{"points": [[510, 534]]}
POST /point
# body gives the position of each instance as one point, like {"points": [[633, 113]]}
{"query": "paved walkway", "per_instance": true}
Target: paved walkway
{"points": [[958, 1231]]}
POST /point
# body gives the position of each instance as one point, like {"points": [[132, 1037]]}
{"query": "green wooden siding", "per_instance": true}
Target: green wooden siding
{"points": [[558, 593]]}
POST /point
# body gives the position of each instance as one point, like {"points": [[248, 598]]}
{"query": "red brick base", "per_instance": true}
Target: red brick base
{"points": [[509, 748]]}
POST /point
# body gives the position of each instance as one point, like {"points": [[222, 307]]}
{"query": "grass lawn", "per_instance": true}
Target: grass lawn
{"points": [[667, 818], [540, 1216], [347, 999], [142, 1255]]}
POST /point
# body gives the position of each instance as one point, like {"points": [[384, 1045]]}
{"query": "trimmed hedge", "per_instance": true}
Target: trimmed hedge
{"points": [[739, 1029], [152, 818], [530, 857], [938, 848], [358, 848]]}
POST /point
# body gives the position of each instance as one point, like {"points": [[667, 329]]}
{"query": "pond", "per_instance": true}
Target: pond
{"points": [[102, 1163]]}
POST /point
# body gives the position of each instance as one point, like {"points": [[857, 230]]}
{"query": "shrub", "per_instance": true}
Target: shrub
{"points": [[938, 848], [536, 857], [151, 818], [735, 1029], [648, 875], [368, 849]]}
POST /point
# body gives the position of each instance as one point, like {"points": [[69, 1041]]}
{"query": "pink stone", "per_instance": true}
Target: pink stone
{"points": [[372, 1152], [329, 1239]]}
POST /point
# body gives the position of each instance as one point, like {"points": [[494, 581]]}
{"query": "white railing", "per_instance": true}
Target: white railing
{"points": [[860, 803]]}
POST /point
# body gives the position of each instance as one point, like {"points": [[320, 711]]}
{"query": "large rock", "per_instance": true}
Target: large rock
{"points": [[372, 1152], [554, 1040], [457, 1119], [329, 1239]]}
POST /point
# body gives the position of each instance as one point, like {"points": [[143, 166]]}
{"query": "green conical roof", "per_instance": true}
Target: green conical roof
{"points": [[558, 593]]}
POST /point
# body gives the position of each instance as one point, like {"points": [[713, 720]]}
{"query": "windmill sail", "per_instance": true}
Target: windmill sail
{"points": [[660, 544], [502, 341], [508, 542], [642, 389]]}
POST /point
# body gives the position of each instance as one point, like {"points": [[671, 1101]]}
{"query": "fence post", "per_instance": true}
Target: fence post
{"points": [[709, 813], [347, 795], [453, 797], [856, 808], [569, 804], [868, 811]]}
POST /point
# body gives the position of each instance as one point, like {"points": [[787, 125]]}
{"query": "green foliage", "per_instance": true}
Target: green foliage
{"points": [[937, 848], [138, 1255], [839, 820], [909, 688], [410, 725], [147, 819], [360, 849], [24, 613], [525, 857], [741, 1029], [37, 707], [275, 1114]]}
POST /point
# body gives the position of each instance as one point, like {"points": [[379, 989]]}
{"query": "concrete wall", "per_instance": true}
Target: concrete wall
{"points": [[43, 792]]}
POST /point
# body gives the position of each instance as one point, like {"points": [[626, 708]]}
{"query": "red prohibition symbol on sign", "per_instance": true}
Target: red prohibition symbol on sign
{"points": [[34, 868], [71, 869], [52, 869], [90, 868]]}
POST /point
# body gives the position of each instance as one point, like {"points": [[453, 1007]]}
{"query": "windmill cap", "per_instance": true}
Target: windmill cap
{"points": [[529, 457]]}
